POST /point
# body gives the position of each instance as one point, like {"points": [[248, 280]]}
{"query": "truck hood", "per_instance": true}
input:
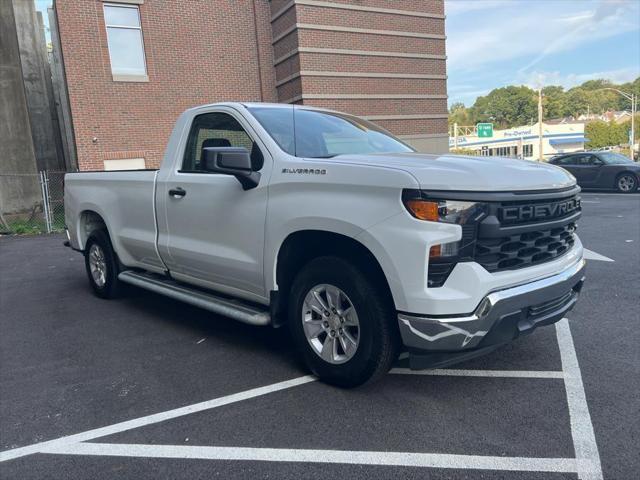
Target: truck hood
{"points": [[467, 173]]}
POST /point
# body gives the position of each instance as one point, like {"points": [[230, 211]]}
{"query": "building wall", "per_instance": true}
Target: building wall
{"points": [[381, 60], [384, 61], [37, 84], [524, 142], [195, 54], [19, 188]]}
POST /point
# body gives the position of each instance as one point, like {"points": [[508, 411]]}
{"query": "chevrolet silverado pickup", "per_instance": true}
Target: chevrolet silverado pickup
{"points": [[322, 222]]}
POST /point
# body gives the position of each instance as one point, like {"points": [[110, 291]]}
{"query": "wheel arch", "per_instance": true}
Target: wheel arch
{"points": [[88, 222], [302, 246]]}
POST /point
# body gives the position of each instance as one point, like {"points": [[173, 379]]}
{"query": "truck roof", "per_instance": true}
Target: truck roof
{"points": [[260, 104]]}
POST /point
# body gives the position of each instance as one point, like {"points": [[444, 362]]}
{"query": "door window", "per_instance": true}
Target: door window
{"points": [[217, 130], [585, 160], [571, 160]]}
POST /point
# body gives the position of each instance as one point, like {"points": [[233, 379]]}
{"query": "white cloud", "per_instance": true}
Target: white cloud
{"points": [[534, 29], [536, 79], [610, 17]]}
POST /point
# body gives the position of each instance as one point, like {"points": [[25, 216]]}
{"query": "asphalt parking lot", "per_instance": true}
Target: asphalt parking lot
{"points": [[146, 387]]}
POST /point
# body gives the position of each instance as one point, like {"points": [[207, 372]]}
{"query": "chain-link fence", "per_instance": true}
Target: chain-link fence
{"points": [[32, 203]]}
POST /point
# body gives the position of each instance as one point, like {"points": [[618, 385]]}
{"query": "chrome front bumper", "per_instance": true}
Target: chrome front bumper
{"points": [[500, 317]]}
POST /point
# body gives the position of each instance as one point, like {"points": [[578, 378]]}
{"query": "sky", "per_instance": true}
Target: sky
{"points": [[41, 6], [495, 43]]}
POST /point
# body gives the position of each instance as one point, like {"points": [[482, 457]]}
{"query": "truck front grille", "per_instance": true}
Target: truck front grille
{"points": [[509, 230], [524, 249]]}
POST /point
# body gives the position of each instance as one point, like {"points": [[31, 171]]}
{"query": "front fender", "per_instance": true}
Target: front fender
{"points": [[298, 224]]}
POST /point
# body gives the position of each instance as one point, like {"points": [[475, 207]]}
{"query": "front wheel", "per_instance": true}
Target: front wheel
{"points": [[626, 183], [342, 322]]}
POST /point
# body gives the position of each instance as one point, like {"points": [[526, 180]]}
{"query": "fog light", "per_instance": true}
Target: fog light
{"points": [[484, 308]]}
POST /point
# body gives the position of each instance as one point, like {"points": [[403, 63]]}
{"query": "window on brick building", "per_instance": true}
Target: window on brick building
{"points": [[124, 37]]}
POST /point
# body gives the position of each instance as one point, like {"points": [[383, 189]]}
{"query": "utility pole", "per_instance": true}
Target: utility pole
{"points": [[455, 135], [540, 154]]}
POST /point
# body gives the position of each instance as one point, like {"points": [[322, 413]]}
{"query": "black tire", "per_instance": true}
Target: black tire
{"points": [[379, 339], [111, 287], [631, 183]]}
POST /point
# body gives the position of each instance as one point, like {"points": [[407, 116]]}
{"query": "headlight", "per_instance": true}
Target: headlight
{"points": [[443, 257], [447, 211]]}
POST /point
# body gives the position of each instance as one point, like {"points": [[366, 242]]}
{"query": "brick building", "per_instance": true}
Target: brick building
{"points": [[131, 66]]}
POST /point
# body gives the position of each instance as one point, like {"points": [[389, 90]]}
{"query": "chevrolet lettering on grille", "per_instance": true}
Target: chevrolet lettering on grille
{"points": [[539, 211]]}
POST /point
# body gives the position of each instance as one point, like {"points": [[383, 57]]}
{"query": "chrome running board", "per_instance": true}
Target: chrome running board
{"points": [[228, 307]]}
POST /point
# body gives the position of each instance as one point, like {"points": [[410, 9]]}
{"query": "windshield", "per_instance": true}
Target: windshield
{"points": [[317, 134], [613, 158]]}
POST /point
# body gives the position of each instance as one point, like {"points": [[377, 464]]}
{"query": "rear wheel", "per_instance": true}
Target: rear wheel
{"points": [[342, 323], [626, 183], [102, 265]]}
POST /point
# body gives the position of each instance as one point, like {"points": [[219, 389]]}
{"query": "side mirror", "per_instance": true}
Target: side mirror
{"points": [[231, 161]]}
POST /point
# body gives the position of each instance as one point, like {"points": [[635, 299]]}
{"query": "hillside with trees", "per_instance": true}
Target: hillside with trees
{"points": [[513, 106]]}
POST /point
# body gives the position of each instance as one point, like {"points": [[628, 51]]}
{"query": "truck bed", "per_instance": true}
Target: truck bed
{"points": [[125, 202]]}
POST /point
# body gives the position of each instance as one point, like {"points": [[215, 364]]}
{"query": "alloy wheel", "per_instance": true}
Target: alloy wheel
{"points": [[330, 323], [626, 183], [98, 265]]}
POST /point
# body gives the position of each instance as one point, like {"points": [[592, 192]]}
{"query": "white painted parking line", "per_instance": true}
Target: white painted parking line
{"points": [[481, 373], [586, 464], [404, 459], [591, 255], [584, 439], [155, 418]]}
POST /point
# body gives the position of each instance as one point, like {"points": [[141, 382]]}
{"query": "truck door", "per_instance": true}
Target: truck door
{"points": [[211, 231]]}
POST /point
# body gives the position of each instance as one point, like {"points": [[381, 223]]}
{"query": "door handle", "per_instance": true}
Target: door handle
{"points": [[177, 192]]}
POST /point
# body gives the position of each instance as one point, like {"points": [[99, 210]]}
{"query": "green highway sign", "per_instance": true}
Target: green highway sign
{"points": [[485, 130]]}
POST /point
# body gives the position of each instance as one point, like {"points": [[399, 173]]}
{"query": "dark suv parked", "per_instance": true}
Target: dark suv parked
{"points": [[605, 170]]}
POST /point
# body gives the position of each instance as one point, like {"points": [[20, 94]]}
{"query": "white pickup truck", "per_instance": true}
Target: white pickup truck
{"points": [[323, 222]]}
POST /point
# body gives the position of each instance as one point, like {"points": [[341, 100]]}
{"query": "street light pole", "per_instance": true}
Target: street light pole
{"points": [[632, 139], [634, 104]]}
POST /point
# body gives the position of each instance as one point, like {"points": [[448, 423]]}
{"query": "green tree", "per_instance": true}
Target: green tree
{"points": [[603, 134], [597, 134], [629, 87], [513, 106], [459, 114], [554, 101], [576, 102], [507, 106], [596, 84]]}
